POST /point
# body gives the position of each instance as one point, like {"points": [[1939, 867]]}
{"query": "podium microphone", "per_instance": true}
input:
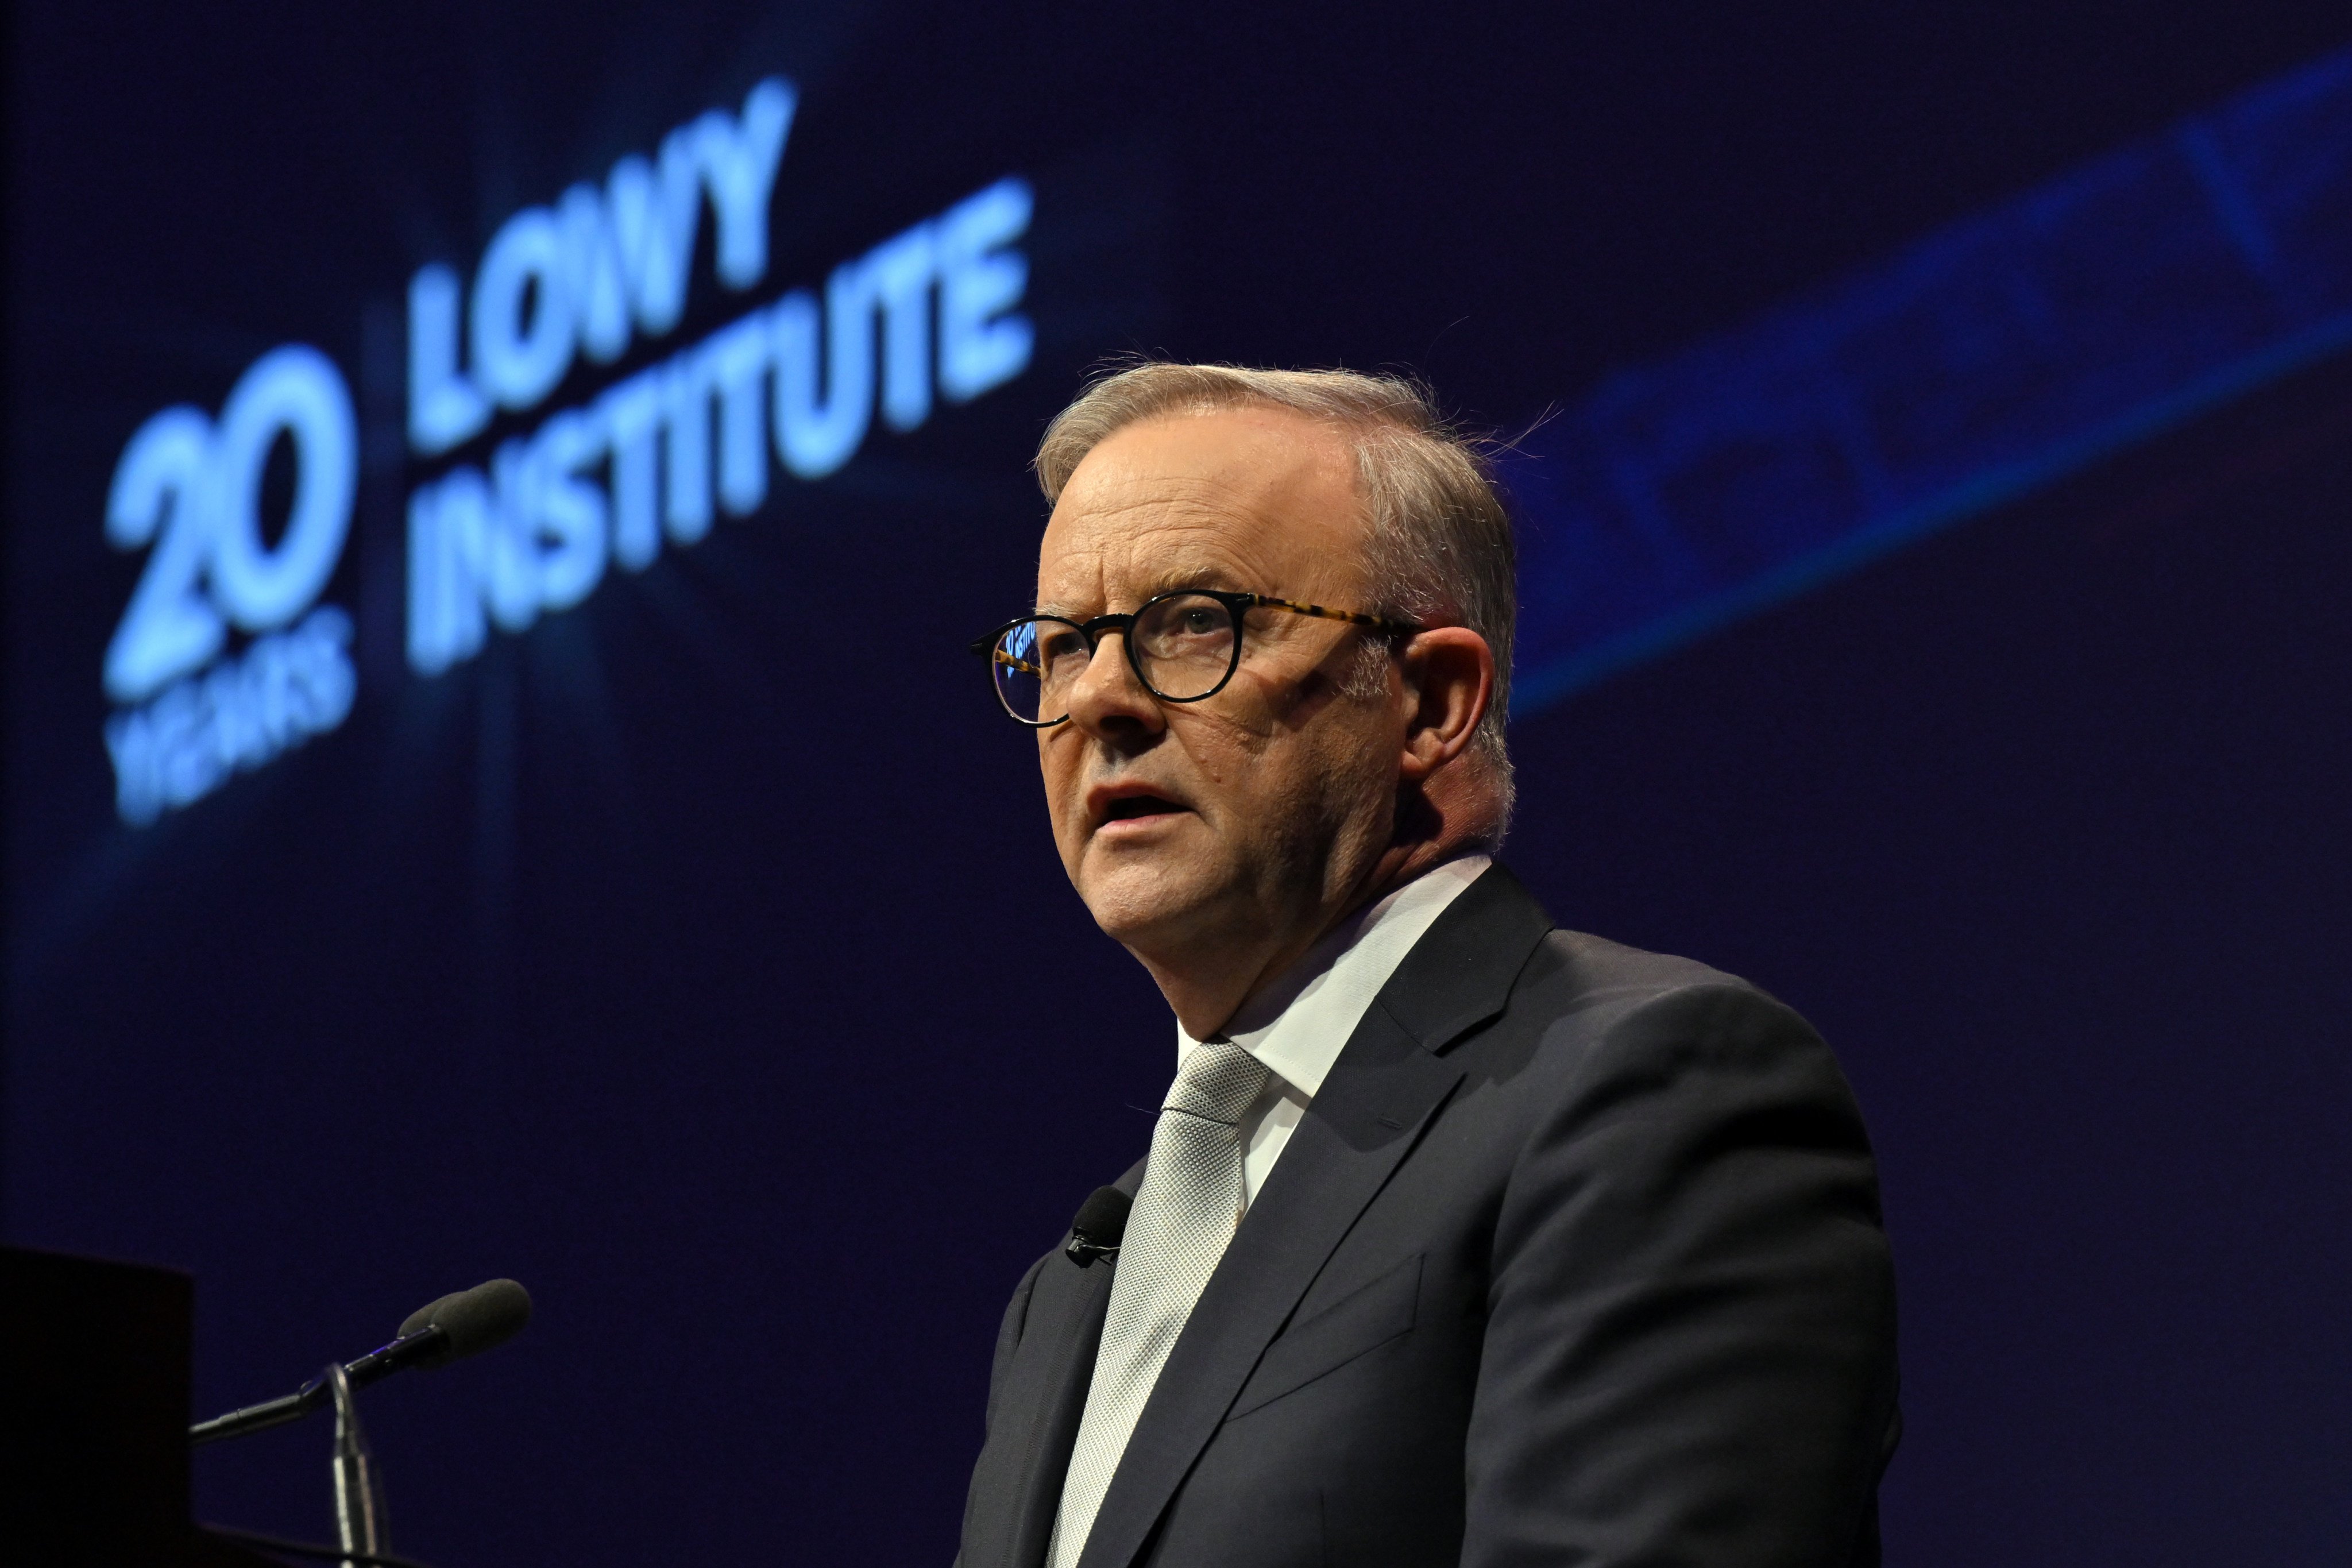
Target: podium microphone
{"points": [[463, 1323]]}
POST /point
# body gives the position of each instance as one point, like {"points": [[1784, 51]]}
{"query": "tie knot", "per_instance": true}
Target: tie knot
{"points": [[1217, 1082]]}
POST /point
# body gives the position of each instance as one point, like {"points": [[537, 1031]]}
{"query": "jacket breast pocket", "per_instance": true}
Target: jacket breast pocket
{"points": [[1362, 1321]]}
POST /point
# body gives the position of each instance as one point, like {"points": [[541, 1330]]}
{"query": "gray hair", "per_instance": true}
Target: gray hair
{"points": [[1439, 541]]}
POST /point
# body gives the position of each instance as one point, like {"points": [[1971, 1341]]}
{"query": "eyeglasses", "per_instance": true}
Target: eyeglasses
{"points": [[1183, 646]]}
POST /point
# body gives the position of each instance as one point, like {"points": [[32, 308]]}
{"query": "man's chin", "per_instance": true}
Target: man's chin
{"points": [[1149, 902]]}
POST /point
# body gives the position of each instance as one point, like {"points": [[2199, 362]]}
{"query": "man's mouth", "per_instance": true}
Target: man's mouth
{"points": [[1134, 806]]}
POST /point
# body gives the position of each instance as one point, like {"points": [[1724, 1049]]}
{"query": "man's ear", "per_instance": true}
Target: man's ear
{"points": [[1449, 679]]}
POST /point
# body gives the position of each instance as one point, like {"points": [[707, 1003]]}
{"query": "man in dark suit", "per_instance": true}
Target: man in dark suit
{"points": [[1462, 1239]]}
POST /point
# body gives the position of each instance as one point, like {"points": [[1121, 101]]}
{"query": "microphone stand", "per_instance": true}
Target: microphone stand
{"points": [[361, 1527], [372, 1367], [463, 1323]]}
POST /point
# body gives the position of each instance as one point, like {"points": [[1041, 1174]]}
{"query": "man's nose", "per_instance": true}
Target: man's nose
{"points": [[1108, 700]]}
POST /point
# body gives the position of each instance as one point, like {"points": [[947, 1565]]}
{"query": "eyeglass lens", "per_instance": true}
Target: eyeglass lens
{"points": [[1185, 646]]}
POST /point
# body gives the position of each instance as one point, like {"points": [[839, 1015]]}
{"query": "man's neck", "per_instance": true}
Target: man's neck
{"points": [[1206, 990]]}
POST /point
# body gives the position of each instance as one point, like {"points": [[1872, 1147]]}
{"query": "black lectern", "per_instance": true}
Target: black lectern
{"points": [[94, 1417]]}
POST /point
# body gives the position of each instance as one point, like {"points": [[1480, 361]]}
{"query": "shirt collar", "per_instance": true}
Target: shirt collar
{"points": [[1298, 1024]]}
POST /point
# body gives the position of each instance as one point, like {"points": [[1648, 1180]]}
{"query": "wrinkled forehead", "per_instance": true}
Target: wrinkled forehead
{"points": [[1262, 500]]}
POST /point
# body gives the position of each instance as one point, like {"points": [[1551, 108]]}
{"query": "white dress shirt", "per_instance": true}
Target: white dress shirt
{"points": [[1299, 1026]]}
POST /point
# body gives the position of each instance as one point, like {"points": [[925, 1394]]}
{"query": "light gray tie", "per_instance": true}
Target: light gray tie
{"points": [[1190, 1200]]}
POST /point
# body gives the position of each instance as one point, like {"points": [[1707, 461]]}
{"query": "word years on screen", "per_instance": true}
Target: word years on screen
{"points": [[187, 490]]}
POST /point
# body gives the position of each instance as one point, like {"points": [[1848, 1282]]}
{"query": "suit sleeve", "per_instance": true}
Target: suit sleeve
{"points": [[1689, 1356], [1008, 1334]]}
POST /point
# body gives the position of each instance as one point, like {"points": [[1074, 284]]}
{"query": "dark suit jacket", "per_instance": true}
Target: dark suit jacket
{"points": [[1576, 1258]]}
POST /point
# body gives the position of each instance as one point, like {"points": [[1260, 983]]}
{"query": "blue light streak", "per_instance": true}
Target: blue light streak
{"points": [[1991, 359]]}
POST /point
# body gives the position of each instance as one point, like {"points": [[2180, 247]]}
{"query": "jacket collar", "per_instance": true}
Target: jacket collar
{"points": [[1461, 974], [1300, 1024]]}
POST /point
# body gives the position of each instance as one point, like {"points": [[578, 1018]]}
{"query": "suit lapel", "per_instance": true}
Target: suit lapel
{"points": [[1044, 1400], [1068, 1338], [1381, 1092]]}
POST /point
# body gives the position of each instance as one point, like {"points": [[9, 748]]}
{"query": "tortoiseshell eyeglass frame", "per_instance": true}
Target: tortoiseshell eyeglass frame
{"points": [[1237, 605]]}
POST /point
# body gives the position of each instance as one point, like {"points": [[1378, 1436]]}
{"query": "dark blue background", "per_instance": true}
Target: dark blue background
{"points": [[749, 1019]]}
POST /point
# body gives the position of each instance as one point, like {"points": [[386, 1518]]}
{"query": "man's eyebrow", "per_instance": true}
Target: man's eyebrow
{"points": [[1168, 582]]}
